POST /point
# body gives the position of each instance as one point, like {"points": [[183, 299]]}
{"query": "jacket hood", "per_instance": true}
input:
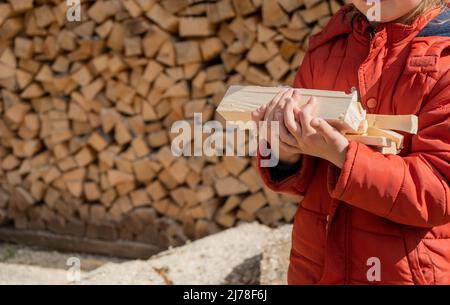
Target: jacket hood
{"points": [[439, 26], [428, 35], [348, 20]]}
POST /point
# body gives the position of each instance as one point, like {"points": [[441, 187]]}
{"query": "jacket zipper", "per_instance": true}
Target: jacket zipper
{"points": [[372, 34]]}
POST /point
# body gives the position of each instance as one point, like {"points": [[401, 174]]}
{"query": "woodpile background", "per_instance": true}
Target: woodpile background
{"points": [[86, 108]]}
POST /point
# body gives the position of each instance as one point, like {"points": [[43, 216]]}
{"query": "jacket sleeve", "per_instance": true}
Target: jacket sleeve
{"points": [[411, 190], [298, 183]]}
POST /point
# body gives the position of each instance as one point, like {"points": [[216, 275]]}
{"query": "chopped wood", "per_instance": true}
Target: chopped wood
{"points": [[220, 11], [332, 106], [187, 52], [253, 203], [370, 140], [389, 134], [86, 122], [273, 14], [163, 18], [230, 186], [343, 110], [116, 177], [315, 13], [406, 123], [194, 27]]}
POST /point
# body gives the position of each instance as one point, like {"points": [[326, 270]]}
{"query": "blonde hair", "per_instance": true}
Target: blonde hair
{"points": [[423, 7]]}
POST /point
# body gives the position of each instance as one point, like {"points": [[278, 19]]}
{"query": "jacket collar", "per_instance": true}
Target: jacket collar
{"points": [[348, 20], [398, 32]]}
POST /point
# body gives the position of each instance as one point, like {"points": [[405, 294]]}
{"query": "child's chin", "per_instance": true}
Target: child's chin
{"points": [[383, 19]]}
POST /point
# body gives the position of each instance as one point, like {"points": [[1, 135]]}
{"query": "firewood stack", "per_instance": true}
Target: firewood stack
{"points": [[86, 110]]}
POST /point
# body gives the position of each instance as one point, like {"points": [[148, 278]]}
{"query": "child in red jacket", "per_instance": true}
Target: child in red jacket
{"points": [[367, 217]]}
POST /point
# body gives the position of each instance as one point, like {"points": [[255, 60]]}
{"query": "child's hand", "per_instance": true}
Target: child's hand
{"points": [[314, 136], [300, 132], [288, 152]]}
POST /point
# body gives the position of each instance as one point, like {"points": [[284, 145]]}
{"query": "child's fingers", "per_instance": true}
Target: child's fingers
{"points": [[283, 100], [289, 119], [305, 117], [338, 125], [330, 134], [258, 114], [269, 116], [285, 135], [296, 95], [288, 94], [272, 108], [273, 104], [310, 106]]}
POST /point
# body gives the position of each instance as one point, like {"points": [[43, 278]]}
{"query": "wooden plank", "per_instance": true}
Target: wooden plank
{"points": [[406, 123], [65, 243], [389, 134], [370, 140], [388, 150], [333, 106]]}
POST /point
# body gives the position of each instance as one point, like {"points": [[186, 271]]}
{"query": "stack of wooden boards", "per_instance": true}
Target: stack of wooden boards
{"points": [[86, 108], [338, 108]]}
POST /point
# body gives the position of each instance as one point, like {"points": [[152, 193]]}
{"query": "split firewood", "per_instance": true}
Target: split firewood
{"points": [[87, 107], [338, 108]]}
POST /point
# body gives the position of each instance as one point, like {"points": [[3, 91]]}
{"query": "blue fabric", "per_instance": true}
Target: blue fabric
{"points": [[439, 26]]}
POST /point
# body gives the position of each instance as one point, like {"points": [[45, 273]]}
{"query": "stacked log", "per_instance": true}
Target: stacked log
{"points": [[86, 110]]}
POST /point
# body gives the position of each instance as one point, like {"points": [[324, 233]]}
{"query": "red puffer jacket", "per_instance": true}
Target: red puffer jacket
{"points": [[391, 210]]}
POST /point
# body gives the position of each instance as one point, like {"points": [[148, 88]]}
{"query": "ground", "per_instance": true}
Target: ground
{"points": [[247, 254]]}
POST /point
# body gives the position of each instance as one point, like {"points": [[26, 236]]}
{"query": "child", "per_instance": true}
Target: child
{"points": [[368, 218]]}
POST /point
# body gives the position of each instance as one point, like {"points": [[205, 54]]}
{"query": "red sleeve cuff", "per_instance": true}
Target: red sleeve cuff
{"points": [[367, 180]]}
